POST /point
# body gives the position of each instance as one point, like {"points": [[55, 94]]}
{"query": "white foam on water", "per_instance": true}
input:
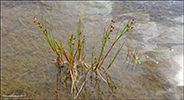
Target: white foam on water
{"points": [[179, 76], [179, 19]]}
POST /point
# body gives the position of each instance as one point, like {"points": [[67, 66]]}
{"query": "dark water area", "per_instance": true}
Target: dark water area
{"points": [[157, 36]]}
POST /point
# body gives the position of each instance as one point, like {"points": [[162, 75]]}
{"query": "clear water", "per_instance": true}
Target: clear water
{"points": [[157, 35]]}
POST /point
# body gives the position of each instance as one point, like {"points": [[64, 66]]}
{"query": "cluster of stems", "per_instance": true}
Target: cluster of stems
{"points": [[106, 36], [96, 63]]}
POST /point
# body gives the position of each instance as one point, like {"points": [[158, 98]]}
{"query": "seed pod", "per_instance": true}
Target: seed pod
{"points": [[44, 31], [113, 21], [39, 26], [38, 23]]}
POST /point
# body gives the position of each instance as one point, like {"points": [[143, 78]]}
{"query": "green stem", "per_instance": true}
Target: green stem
{"points": [[115, 56]]}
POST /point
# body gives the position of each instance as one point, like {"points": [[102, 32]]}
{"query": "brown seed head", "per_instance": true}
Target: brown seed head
{"points": [[38, 23], [34, 17], [113, 21], [44, 31], [39, 26]]}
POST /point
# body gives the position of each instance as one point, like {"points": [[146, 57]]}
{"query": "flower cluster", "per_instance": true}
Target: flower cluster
{"points": [[50, 39], [112, 27], [43, 30], [110, 30], [130, 26], [113, 21], [72, 39]]}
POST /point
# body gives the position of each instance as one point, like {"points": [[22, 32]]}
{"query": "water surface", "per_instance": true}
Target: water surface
{"points": [[157, 35]]}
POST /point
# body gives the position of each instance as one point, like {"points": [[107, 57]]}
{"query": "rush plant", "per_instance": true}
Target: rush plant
{"points": [[75, 57]]}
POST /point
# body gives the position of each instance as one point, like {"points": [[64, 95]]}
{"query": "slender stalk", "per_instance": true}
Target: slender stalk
{"points": [[80, 89], [79, 34], [50, 41], [83, 41], [118, 27], [61, 52], [42, 22], [115, 56], [106, 55], [105, 38], [92, 67], [65, 55], [104, 41], [70, 49], [92, 55], [122, 33]]}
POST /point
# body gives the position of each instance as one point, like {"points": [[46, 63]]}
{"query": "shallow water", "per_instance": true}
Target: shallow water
{"points": [[157, 35]]}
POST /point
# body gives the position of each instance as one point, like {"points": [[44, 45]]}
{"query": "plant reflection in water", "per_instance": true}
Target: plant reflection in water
{"points": [[132, 58], [85, 88]]}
